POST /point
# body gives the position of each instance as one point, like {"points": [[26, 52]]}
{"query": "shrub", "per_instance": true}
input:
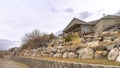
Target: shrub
{"points": [[51, 36], [68, 38], [76, 39], [34, 39]]}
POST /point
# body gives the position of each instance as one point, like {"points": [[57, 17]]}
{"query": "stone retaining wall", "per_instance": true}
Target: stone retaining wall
{"points": [[39, 63]]}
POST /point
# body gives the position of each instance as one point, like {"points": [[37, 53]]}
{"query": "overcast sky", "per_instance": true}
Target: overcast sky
{"points": [[18, 17]]}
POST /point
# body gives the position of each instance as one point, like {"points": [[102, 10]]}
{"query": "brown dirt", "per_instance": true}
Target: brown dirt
{"points": [[7, 63]]}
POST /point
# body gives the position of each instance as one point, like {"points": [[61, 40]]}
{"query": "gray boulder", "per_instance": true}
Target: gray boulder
{"points": [[52, 50], [113, 54], [110, 47], [93, 44], [59, 47], [118, 58], [101, 48], [63, 50], [58, 55], [85, 53], [65, 55], [72, 55], [100, 54]]}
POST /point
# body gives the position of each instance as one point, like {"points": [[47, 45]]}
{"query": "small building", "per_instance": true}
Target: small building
{"points": [[83, 28], [106, 22]]}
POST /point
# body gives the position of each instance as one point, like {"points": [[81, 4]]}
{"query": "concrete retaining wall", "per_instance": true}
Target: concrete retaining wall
{"points": [[39, 63]]}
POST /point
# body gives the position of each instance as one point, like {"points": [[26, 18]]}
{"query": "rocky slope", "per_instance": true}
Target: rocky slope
{"points": [[97, 46]]}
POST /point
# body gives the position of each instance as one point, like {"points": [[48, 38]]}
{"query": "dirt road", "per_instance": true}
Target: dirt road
{"points": [[7, 63]]}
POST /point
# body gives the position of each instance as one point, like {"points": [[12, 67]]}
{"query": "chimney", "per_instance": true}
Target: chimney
{"points": [[103, 15]]}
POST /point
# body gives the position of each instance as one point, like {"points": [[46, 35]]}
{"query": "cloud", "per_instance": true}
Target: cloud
{"points": [[69, 10], [6, 44], [84, 15], [117, 13], [18, 17]]}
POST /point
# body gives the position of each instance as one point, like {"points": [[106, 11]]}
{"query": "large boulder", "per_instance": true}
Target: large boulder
{"points": [[52, 50], [59, 47], [85, 53], [61, 41], [93, 44], [106, 33], [65, 55], [101, 48], [58, 55], [63, 50], [72, 55], [51, 54], [106, 42], [34, 52], [82, 40], [113, 54], [114, 33], [100, 54], [71, 48], [75, 47], [110, 47], [118, 58], [117, 40]]}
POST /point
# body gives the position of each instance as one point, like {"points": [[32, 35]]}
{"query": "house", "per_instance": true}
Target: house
{"points": [[83, 28], [106, 22], [79, 26]]}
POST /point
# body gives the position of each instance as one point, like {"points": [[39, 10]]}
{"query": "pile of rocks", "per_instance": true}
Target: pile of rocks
{"points": [[97, 46]]}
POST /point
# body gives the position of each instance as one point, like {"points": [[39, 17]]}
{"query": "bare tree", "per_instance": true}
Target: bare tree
{"points": [[34, 39]]}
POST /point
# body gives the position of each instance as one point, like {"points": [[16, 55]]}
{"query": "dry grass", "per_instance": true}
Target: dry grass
{"points": [[93, 61], [76, 39]]}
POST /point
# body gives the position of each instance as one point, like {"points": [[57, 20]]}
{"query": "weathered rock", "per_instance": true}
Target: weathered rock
{"points": [[61, 44], [101, 48], [58, 51], [63, 50], [71, 49], [106, 42], [118, 58], [72, 55], [82, 40], [108, 38], [51, 54], [68, 43], [110, 47], [105, 53], [93, 44], [106, 33], [52, 50], [113, 54], [51, 44], [114, 33], [59, 47], [117, 46], [117, 40], [61, 41], [65, 55], [58, 55], [34, 52], [86, 53], [100, 54]]}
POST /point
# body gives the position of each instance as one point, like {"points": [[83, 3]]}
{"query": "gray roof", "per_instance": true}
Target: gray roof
{"points": [[109, 16], [105, 17], [73, 23], [93, 22]]}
